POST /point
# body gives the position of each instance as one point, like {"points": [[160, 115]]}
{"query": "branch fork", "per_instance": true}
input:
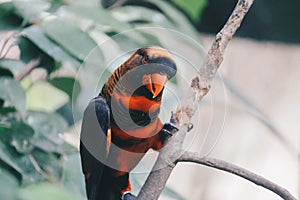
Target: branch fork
{"points": [[172, 153]]}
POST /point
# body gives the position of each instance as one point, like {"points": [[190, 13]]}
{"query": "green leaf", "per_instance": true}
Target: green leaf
{"points": [[21, 137], [72, 39], [7, 158], [8, 19], [29, 51], [73, 178], [95, 16], [36, 36], [174, 15], [5, 72], [144, 18], [32, 10], [45, 97], [18, 135], [1, 105], [132, 14], [9, 185], [10, 22], [12, 92], [47, 126], [50, 163], [6, 110], [107, 3], [46, 191], [46, 123], [37, 161], [20, 164], [15, 66], [66, 111], [66, 84], [193, 8], [97, 23], [6, 8]]}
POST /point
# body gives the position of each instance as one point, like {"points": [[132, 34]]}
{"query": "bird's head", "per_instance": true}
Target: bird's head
{"points": [[154, 67]]}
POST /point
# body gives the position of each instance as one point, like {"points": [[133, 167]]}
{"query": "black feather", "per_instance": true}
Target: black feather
{"points": [[95, 125]]}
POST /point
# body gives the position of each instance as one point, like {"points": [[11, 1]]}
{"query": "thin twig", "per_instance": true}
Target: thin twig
{"points": [[38, 168], [163, 167], [117, 4], [6, 40], [239, 171], [8, 50], [159, 175], [35, 164], [28, 68]]}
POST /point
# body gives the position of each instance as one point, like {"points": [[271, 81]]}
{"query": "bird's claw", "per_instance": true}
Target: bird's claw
{"points": [[169, 129], [190, 127], [129, 196]]}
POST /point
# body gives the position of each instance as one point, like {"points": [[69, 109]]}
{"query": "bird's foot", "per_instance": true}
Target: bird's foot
{"points": [[168, 129], [128, 196], [190, 127]]}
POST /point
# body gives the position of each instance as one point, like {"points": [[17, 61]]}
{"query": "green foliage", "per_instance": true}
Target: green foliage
{"points": [[47, 46], [14, 66], [31, 10], [12, 92], [8, 19], [30, 51], [47, 192], [70, 37], [9, 185], [193, 8], [66, 84], [38, 108]]}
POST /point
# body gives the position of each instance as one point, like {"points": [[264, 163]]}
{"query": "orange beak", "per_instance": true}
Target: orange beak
{"points": [[155, 83]]}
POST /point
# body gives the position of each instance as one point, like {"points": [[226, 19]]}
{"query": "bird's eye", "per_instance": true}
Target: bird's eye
{"points": [[145, 60]]}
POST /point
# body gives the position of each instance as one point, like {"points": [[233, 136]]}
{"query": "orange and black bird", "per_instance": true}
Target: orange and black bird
{"points": [[121, 124]]}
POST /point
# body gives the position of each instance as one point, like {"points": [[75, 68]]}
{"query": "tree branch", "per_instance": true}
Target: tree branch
{"points": [[117, 4], [234, 169], [163, 167], [166, 160]]}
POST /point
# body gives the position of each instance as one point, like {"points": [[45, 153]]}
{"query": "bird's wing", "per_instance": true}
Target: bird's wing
{"points": [[93, 143]]}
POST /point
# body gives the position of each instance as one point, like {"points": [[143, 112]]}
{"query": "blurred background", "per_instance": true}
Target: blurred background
{"points": [[56, 54]]}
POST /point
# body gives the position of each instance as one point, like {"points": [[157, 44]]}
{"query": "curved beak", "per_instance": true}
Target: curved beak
{"points": [[155, 83]]}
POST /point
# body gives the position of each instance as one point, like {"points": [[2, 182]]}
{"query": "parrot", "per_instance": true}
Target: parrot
{"points": [[121, 124]]}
